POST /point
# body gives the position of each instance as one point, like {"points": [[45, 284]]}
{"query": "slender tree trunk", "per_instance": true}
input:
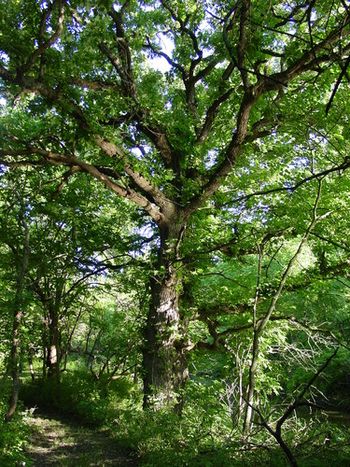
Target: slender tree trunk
{"points": [[14, 361], [259, 326], [44, 336], [14, 365], [291, 459], [68, 345], [52, 351], [164, 355], [240, 389], [53, 347], [30, 361], [251, 384]]}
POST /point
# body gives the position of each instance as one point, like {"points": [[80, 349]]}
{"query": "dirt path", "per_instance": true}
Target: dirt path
{"points": [[57, 442]]}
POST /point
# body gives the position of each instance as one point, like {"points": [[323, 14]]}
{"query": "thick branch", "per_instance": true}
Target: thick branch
{"points": [[221, 171], [72, 161], [265, 84], [243, 41]]}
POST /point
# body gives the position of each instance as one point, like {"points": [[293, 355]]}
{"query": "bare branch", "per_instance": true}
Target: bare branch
{"points": [[171, 62]]}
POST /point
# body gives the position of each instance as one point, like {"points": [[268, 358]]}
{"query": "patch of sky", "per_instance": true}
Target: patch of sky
{"points": [[136, 152], [289, 186], [160, 63], [147, 234], [58, 45], [3, 170], [259, 211], [133, 131], [91, 265], [277, 44], [288, 7], [4, 58], [235, 211], [146, 231], [313, 16], [140, 153], [98, 73], [318, 139], [210, 158], [151, 7], [83, 9], [206, 27], [299, 163]]}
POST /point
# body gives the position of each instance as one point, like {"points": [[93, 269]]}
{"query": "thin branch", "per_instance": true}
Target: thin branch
{"points": [[160, 53], [302, 393], [211, 114], [331, 242], [44, 45], [337, 84], [265, 84], [291, 263], [290, 189]]}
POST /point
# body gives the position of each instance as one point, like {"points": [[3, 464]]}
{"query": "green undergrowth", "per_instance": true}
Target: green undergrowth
{"points": [[14, 434], [165, 439], [78, 396], [204, 435]]}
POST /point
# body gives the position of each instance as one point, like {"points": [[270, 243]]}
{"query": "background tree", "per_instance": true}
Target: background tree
{"points": [[17, 240]]}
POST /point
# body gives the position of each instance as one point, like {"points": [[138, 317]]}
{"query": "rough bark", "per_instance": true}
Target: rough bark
{"points": [[164, 353]]}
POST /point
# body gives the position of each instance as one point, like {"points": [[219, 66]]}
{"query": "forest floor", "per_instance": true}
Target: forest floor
{"points": [[56, 441]]}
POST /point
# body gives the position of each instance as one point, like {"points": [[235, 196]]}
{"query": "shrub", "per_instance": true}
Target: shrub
{"points": [[13, 434]]}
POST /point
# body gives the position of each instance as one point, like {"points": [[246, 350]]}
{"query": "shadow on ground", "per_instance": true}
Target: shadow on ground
{"points": [[57, 442]]}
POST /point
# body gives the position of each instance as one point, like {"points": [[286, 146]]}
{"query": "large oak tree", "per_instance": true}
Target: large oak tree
{"points": [[160, 102]]}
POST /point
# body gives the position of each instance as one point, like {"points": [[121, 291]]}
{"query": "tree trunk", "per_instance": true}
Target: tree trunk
{"points": [[240, 389], [251, 384], [52, 352], [14, 366], [53, 347], [164, 354], [14, 360], [31, 353]]}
